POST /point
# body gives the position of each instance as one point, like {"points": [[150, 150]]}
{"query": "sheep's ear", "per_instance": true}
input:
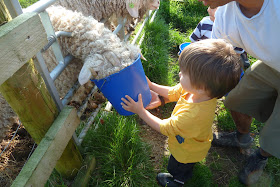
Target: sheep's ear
{"points": [[132, 8], [84, 75]]}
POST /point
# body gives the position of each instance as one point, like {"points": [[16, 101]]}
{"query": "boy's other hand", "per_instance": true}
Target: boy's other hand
{"points": [[155, 101], [149, 82], [130, 105], [142, 57]]}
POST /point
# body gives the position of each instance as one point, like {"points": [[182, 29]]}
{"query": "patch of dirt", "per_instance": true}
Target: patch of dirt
{"points": [[21, 147], [158, 142], [224, 163], [7, 117], [14, 157]]}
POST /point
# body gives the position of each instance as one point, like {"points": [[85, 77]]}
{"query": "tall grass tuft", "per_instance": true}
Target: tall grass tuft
{"points": [[202, 176], [183, 15], [122, 158], [155, 48]]}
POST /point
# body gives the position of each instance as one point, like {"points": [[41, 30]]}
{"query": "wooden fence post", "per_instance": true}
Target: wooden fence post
{"points": [[4, 13], [25, 90]]}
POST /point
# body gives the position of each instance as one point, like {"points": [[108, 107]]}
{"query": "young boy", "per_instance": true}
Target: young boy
{"points": [[204, 31], [208, 70]]}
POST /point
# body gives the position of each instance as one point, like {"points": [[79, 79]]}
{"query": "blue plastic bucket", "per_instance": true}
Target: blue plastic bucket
{"points": [[129, 81], [182, 47]]}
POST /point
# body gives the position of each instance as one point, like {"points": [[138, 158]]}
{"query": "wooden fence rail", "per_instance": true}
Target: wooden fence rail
{"points": [[20, 39], [24, 89], [37, 170]]}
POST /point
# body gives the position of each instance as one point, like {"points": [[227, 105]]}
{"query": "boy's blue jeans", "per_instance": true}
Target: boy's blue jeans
{"points": [[180, 171]]}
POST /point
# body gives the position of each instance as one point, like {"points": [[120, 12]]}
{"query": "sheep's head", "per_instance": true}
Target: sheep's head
{"points": [[133, 6], [153, 4], [91, 65], [99, 66]]}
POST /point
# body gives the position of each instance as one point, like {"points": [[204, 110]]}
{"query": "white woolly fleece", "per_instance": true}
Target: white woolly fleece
{"points": [[100, 9]]}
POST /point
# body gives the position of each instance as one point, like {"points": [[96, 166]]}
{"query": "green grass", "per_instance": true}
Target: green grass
{"points": [[122, 157], [202, 176], [273, 170], [176, 38], [224, 119], [182, 15], [55, 180], [155, 48], [26, 3]]}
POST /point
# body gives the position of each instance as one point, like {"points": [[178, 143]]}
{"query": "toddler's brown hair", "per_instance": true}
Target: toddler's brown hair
{"points": [[212, 65]]}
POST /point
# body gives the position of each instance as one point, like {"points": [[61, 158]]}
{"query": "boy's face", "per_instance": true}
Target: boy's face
{"points": [[186, 83], [187, 86]]}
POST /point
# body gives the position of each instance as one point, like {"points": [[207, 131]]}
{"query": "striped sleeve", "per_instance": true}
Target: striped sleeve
{"points": [[239, 50], [196, 35], [203, 30]]}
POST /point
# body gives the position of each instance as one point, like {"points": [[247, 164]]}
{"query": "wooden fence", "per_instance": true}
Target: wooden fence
{"points": [[26, 92]]}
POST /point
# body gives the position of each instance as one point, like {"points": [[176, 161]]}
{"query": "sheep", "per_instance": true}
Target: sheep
{"points": [[104, 9], [98, 53], [102, 51]]}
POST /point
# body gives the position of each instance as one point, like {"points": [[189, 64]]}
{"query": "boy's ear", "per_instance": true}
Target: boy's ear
{"points": [[133, 7]]}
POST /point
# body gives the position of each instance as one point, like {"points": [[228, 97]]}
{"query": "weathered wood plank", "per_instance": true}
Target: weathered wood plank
{"points": [[40, 165], [29, 98], [20, 40]]}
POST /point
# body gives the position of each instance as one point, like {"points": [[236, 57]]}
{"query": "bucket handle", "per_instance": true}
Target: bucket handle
{"points": [[103, 84]]}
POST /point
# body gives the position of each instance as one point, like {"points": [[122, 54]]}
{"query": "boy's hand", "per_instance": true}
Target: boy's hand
{"points": [[155, 101], [149, 82], [130, 105]]}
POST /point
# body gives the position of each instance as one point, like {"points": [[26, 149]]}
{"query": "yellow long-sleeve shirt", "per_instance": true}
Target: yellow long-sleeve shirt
{"points": [[189, 127]]}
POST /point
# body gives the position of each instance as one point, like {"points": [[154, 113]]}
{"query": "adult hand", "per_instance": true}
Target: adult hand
{"points": [[130, 105], [155, 101]]}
